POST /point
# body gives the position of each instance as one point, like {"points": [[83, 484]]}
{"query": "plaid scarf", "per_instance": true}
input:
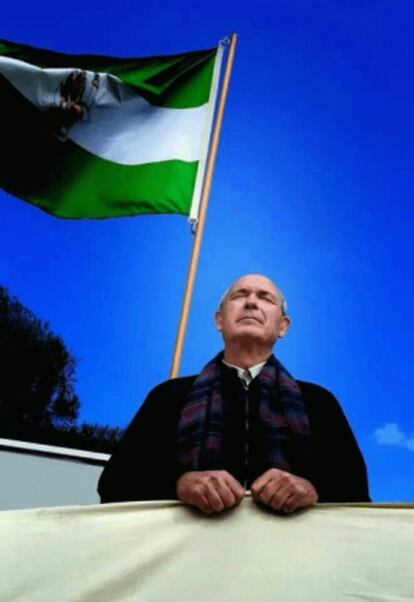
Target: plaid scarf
{"points": [[200, 429]]}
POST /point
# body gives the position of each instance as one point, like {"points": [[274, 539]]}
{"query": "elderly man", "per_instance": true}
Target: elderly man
{"points": [[242, 423]]}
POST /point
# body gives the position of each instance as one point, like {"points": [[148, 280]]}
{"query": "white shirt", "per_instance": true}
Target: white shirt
{"points": [[246, 375]]}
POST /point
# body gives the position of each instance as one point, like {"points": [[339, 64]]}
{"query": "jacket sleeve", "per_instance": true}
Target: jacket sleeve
{"points": [[142, 466], [339, 473]]}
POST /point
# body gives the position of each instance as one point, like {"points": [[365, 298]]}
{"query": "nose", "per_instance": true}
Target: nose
{"points": [[250, 302]]}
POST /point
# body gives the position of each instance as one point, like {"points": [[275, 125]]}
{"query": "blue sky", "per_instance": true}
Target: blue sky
{"points": [[313, 187]]}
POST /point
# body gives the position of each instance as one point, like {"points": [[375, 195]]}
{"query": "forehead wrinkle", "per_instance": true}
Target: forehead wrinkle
{"points": [[273, 290], [256, 289]]}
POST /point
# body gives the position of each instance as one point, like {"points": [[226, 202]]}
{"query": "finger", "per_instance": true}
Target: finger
{"points": [[307, 497], [226, 494], [235, 487], [291, 504], [282, 495], [224, 484], [273, 474], [202, 503], [213, 498], [258, 486], [303, 495], [280, 481], [269, 492], [259, 483]]}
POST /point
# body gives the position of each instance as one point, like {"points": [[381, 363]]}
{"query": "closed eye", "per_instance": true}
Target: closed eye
{"points": [[240, 293], [267, 297], [270, 300]]}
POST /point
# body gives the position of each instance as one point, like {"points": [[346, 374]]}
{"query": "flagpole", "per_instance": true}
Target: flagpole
{"points": [[185, 309]]}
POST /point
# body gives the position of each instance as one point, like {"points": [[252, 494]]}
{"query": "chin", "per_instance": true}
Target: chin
{"points": [[250, 328], [251, 334]]}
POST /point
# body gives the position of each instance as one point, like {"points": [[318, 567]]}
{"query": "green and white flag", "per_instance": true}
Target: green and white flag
{"points": [[94, 136]]}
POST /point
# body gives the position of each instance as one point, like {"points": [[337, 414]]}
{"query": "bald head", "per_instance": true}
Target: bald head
{"points": [[259, 278]]}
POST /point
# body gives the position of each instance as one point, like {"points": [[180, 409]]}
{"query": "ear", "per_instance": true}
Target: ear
{"points": [[218, 318], [283, 327]]}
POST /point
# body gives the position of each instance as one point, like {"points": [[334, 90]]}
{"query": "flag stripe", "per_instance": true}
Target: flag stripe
{"points": [[164, 187], [138, 132], [208, 132], [176, 81], [68, 181]]}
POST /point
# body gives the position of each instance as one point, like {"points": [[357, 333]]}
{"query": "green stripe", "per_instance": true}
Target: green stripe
{"points": [[176, 81], [67, 181], [164, 187]]}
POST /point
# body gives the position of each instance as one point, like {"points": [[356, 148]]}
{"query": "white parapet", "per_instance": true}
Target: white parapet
{"points": [[37, 475], [167, 552]]}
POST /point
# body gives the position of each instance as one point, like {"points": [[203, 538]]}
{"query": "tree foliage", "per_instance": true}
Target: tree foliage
{"points": [[37, 370], [37, 376]]}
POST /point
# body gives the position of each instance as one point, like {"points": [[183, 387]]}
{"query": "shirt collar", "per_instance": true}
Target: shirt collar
{"points": [[247, 374]]}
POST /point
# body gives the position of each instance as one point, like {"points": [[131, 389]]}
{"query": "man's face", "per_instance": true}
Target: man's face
{"points": [[252, 311]]}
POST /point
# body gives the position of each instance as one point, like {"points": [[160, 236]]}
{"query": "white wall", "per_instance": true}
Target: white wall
{"points": [[34, 475]]}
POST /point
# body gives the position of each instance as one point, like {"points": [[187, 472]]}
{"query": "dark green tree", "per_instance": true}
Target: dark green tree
{"points": [[37, 372], [38, 402]]}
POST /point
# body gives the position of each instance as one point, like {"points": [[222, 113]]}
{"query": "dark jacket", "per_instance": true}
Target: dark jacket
{"points": [[144, 466]]}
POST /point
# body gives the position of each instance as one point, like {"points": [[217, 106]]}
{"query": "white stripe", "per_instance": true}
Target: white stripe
{"points": [[205, 142], [120, 125]]}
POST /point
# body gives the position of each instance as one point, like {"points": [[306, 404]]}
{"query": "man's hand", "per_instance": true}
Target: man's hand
{"points": [[283, 491], [209, 490]]}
